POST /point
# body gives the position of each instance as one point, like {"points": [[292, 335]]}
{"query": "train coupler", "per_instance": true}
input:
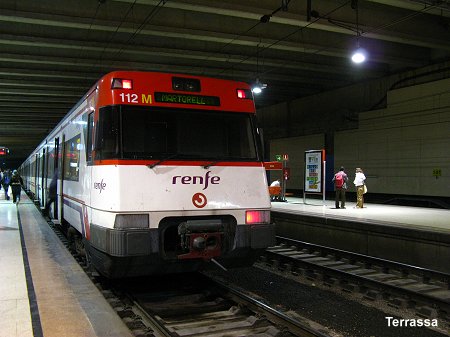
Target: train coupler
{"points": [[200, 239]]}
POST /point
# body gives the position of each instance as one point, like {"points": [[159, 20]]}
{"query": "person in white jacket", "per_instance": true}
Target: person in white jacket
{"points": [[359, 183]]}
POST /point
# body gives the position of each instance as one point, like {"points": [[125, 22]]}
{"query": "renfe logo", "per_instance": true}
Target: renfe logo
{"points": [[197, 180], [100, 186], [199, 200]]}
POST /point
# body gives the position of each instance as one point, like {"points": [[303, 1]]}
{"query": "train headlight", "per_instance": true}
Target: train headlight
{"points": [[121, 83], [257, 217], [127, 221], [244, 94]]}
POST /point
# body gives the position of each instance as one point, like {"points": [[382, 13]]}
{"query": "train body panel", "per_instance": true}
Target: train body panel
{"points": [[164, 188], [157, 173]]}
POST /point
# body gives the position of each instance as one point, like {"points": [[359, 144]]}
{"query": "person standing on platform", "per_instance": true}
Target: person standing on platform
{"points": [[16, 186], [359, 183], [340, 186], [6, 179]]}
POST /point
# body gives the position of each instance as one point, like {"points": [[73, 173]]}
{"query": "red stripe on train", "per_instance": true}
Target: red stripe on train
{"points": [[176, 163]]}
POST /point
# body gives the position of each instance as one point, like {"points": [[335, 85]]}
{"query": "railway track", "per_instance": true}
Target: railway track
{"points": [[191, 305], [202, 307], [400, 285]]}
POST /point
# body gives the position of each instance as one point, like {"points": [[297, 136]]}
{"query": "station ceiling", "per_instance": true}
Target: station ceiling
{"points": [[52, 52]]}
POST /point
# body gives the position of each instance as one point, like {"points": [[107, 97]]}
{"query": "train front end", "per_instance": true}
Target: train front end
{"points": [[177, 177]]}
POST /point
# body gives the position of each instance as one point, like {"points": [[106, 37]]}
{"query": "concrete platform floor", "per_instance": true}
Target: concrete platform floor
{"points": [[43, 290], [430, 219]]}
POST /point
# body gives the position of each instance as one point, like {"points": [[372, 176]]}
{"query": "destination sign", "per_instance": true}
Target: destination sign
{"points": [[165, 97]]}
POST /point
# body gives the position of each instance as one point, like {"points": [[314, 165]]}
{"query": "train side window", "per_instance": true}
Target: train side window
{"points": [[72, 158], [90, 128], [107, 133]]}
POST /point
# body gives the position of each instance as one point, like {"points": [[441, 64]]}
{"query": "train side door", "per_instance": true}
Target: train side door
{"points": [[89, 145], [60, 198], [36, 178], [56, 167], [43, 177]]}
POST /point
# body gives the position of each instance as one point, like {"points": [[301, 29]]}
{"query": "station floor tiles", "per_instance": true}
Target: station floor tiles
{"points": [[43, 290], [429, 219]]}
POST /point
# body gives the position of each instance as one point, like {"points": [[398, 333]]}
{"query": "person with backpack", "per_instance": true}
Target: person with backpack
{"points": [[340, 185], [16, 186]]}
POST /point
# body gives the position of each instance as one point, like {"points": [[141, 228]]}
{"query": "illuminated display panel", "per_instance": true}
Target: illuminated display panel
{"points": [[165, 97]]}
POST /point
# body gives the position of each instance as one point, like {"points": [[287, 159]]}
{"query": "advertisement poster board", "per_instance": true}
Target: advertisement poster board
{"points": [[313, 171]]}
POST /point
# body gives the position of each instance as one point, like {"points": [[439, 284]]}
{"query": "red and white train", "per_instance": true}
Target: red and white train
{"points": [[158, 173]]}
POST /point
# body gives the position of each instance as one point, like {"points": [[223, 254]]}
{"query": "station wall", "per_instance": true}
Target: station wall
{"points": [[403, 147], [295, 147]]}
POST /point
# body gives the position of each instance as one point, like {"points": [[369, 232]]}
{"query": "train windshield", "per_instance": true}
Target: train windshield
{"points": [[128, 132]]}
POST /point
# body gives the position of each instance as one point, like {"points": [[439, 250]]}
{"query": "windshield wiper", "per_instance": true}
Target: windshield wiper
{"points": [[214, 161], [162, 160], [207, 166], [218, 160]]}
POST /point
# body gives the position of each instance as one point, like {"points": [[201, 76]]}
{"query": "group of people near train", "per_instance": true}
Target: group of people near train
{"points": [[11, 182], [340, 184]]}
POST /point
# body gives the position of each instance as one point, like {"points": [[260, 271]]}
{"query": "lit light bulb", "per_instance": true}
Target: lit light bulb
{"points": [[257, 89], [359, 56]]}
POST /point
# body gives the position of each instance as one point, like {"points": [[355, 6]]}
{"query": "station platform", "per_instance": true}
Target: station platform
{"points": [[412, 235], [43, 290]]}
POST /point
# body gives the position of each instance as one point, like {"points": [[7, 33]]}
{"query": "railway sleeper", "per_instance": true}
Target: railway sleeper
{"points": [[427, 312]]}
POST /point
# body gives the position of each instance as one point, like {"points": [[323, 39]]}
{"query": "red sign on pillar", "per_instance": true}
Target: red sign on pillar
{"points": [[286, 173]]}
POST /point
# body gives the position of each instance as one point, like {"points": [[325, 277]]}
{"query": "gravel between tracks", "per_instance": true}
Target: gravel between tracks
{"points": [[342, 314]]}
